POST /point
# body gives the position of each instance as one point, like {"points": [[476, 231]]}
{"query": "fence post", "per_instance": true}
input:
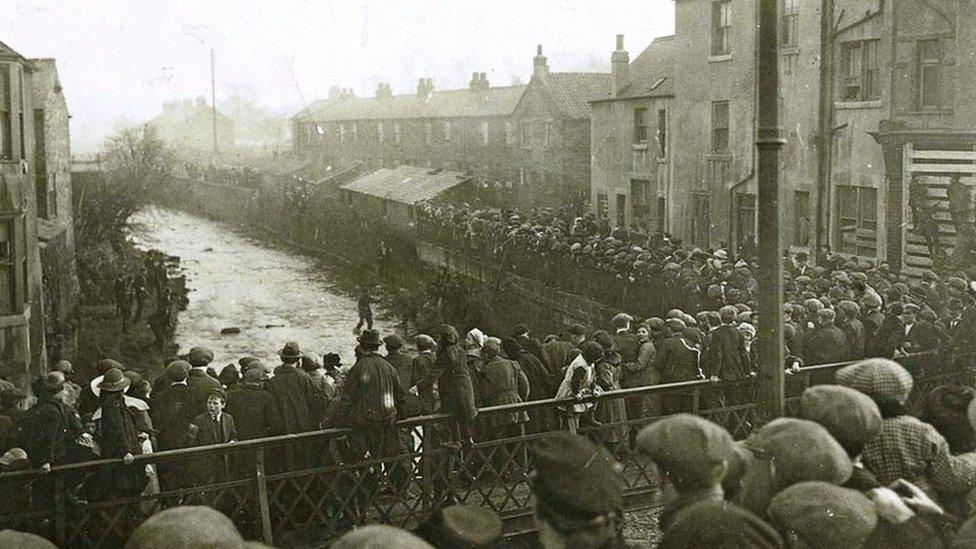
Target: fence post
{"points": [[262, 487], [59, 510]]}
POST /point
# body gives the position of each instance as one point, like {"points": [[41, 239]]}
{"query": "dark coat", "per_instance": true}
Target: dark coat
{"points": [[423, 376], [678, 360], [52, 425], [612, 411], [541, 383], [922, 337], [559, 354], [506, 384], [533, 346], [478, 381], [254, 410], [171, 416], [229, 376], [297, 399], [872, 328], [454, 382], [201, 385], [825, 345], [854, 331], [726, 355], [402, 363], [371, 392], [889, 337], [628, 345], [214, 467]]}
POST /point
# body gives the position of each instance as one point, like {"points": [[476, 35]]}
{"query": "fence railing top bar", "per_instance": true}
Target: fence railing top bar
{"points": [[265, 442]]}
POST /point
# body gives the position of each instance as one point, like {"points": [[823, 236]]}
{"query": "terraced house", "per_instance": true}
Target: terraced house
{"points": [[530, 143]]}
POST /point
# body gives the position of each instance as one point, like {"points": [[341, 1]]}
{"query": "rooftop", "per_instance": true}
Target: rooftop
{"points": [[406, 184], [651, 72], [573, 91]]}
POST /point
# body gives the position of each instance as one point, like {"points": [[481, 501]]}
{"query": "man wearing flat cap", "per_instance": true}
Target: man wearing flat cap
{"points": [[578, 489], [819, 514], [678, 359], [560, 353], [720, 524], [726, 357], [906, 448], [826, 343], [462, 527], [200, 383], [521, 334], [400, 359], [171, 414]]}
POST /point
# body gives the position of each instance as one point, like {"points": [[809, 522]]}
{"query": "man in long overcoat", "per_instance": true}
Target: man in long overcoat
{"points": [[726, 357], [454, 383], [171, 416], [400, 359], [560, 353], [678, 359], [505, 384], [298, 401], [826, 343], [200, 382]]}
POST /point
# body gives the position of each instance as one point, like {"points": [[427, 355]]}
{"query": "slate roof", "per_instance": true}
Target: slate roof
{"points": [[651, 72], [10, 53], [406, 184], [573, 91], [497, 101]]}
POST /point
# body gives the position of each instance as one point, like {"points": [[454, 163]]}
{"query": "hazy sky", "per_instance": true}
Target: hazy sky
{"points": [[119, 60]]}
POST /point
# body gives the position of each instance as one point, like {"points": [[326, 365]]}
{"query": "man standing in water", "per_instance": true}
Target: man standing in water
{"points": [[364, 303]]}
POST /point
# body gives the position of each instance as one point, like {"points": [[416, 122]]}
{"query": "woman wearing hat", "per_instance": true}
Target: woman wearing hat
{"points": [[119, 430]]}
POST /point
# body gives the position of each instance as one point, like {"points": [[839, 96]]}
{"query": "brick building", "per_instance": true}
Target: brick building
{"points": [[530, 143], [22, 332], [189, 125], [631, 171], [55, 222]]}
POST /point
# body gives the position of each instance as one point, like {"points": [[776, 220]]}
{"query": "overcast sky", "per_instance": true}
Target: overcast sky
{"points": [[119, 60]]}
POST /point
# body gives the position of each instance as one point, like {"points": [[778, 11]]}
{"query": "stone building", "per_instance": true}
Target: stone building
{"points": [[22, 332], [189, 125], [631, 143], [530, 143], [55, 222]]}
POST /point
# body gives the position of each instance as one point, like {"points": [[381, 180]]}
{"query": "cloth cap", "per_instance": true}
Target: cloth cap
{"points": [[591, 351], [871, 300], [106, 364], [379, 536], [621, 320], [24, 540], [747, 328], [728, 313], [813, 305], [800, 450], [520, 329], [310, 362], [850, 307], [576, 475], [186, 526], [851, 417], [463, 526], [12, 456], [247, 361], [675, 324], [577, 330], [474, 338], [823, 515], [178, 370], [826, 315], [425, 342], [719, 524], [688, 447], [655, 323], [254, 375], [879, 378], [199, 357], [332, 361], [675, 313], [393, 340]]}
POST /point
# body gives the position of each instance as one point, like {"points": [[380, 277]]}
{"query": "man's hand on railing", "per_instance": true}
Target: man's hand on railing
{"points": [[128, 458], [597, 390], [46, 468], [713, 378]]}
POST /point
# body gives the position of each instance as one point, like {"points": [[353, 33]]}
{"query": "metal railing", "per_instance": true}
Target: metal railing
{"points": [[303, 489]]}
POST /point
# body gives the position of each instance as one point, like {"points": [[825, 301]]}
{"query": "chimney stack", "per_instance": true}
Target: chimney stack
{"points": [[425, 87], [540, 65], [620, 67], [384, 91], [479, 81]]}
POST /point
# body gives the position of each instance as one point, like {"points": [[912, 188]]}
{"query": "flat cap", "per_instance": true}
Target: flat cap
{"points": [[675, 324], [11, 395], [107, 364], [577, 330], [655, 323], [575, 475], [879, 378], [823, 515], [813, 305], [425, 342], [462, 527], [688, 447], [186, 526], [24, 540], [850, 416], [178, 370], [826, 315], [621, 320], [520, 329], [719, 524], [393, 340], [247, 361], [801, 450], [255, 375], [199, 357], [379, 536]]}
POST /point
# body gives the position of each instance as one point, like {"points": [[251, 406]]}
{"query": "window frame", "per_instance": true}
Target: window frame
{"points": [[662, 133], [716, 128], [856, 211], [640, 126], [861, 70], [6, 108], [721, 27], [789, 22], [924, 63]]}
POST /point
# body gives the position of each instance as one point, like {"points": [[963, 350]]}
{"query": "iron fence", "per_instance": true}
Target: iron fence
{"points": [[303, 489]]}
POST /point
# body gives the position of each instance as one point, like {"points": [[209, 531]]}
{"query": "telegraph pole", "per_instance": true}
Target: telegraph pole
{"points": [[825, 141], [770, 142], [213, 100]]}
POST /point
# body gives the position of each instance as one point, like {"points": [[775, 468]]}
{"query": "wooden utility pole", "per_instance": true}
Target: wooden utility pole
{"points": [[825, 139], [770, 142], [213, 100]]}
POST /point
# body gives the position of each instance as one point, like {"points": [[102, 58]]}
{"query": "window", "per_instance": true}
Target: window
{"points": [[428, 132], [929, 73], [509, 133], [861, 72], [721, 27], [396, 132], [601, 205], [40, 165], [8, 267], [700, 218], [640, 204], [746, 222], [6, 150], [484, 132], [640, 125], [801, 218], [662, 133], [790, 15], [447, 131], [662, 213], [720, 127], [621, 210], [856, 220]]}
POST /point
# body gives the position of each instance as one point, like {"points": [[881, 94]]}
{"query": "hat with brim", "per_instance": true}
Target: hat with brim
{"points": [[290, 350], [114, 381], [370, 338]]}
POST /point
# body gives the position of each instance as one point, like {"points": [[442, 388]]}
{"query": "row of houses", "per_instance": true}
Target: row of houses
{"points": [[875, 107], [38, 283]]}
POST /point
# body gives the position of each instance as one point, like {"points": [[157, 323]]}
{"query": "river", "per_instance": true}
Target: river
{"points": [[273, 294]]}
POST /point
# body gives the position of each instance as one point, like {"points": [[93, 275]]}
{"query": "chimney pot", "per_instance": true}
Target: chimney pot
{"points": [[620, 42], [538, 49]]}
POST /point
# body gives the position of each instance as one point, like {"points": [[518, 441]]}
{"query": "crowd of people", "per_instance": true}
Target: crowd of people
{"points": [[238, 176]]}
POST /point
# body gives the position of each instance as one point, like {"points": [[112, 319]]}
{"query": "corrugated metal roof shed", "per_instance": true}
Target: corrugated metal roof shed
{"points": [[406, 184]]}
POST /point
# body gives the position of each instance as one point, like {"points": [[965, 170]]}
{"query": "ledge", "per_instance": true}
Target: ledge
{"points": [[639, 146], [719, 157], [719, 58], [789, 50], [852, 105]]}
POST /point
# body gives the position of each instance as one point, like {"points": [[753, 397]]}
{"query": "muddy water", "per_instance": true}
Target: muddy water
{"points": [[272, 294]]}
